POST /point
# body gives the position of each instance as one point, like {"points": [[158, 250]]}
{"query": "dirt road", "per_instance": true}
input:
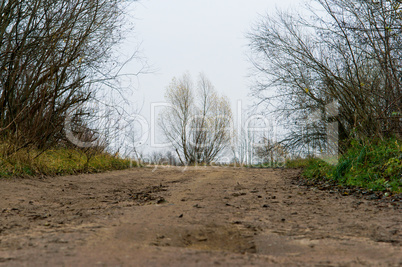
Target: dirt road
{"points": [[193, 217]]}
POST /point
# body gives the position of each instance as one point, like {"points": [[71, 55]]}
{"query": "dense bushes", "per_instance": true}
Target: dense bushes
{"points": [[57, 59], [52, 56], [332, 69]]}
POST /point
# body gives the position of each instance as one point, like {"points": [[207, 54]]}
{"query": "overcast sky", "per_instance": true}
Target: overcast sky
{"points": [[198, 36], [206, 36]]}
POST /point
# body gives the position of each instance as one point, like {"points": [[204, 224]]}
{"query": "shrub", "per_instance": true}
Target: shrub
{"points": [[371, 164]]}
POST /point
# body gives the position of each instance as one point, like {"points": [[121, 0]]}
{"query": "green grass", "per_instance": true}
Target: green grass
{"points": [[299, 162], [59, 161], [370, 164]]}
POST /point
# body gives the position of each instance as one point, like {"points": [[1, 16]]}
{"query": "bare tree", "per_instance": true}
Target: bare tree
{"points": [[348, 51], [198, 122], [53, 55], [240, 147], [271, 151]]}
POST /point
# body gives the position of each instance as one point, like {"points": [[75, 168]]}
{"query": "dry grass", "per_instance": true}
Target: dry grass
{"points": [[56, 161]]}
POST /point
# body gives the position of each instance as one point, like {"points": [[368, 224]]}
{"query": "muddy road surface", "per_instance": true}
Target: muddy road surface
{"points": [[192, 217]]}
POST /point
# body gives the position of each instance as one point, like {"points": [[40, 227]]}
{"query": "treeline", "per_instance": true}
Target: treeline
{"points": [[346, 53]]}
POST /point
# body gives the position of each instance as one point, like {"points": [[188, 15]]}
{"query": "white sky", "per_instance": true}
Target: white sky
{"points": [[197, 36]]}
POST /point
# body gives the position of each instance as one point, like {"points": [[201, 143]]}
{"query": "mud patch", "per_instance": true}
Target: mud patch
{"points": [[210, 238], [149, 195]]}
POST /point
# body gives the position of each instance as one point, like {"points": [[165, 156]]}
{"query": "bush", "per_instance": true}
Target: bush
{"points": [[371, 164]]}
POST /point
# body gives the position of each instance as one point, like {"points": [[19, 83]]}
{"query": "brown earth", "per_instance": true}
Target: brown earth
{"points": [[192, 217]]}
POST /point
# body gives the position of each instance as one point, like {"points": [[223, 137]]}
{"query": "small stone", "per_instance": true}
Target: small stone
{"points": [[160, 200], [201, 238]]}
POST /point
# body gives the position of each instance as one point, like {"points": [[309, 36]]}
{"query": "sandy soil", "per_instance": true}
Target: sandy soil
{"points": [[193, 217]]}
